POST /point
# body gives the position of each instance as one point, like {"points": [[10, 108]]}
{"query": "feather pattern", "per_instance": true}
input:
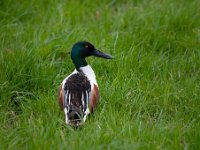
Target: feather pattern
{"points": [[79, 93], [76, 88]]}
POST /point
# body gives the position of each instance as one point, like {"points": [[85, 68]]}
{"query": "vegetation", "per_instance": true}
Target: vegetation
{"points": [[150, 92]]}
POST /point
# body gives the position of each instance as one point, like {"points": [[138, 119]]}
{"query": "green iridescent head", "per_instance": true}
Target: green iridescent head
{"points": [[83, 49]]}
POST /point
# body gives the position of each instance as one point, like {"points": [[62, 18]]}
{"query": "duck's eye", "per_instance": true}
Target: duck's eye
{"points": [[86, 46]]}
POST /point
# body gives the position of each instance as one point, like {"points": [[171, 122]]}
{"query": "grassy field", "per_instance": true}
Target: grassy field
{"points": [[150, 92]]}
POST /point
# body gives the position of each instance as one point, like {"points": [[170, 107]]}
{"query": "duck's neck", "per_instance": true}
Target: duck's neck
{"points": [[79, 62]]}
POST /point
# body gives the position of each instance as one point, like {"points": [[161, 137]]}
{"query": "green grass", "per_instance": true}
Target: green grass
{"points": [[150, 92]]}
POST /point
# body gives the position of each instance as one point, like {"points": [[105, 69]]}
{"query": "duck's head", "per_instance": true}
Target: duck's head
{"points": [[83, 49]]}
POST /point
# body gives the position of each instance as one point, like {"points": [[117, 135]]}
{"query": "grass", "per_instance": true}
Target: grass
{"points": [[149, 92]]}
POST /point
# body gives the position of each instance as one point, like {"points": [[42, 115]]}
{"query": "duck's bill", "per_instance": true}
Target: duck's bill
{"points": [[98, 53]]}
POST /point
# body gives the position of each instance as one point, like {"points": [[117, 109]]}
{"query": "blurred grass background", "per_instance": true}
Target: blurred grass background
{"points": [[150, 92]]}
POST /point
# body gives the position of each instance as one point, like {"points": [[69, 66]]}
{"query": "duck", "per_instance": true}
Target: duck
{"points": [[78, 94]]}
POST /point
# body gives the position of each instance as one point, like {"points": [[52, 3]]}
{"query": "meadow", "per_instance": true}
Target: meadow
{"points": [[150, 91]]}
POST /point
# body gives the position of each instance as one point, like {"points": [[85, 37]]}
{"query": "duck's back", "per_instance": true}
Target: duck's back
{"points": [[77, 91]]}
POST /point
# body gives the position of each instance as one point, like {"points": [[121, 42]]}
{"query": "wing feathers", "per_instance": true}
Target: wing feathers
{"points": [[76, 90]]}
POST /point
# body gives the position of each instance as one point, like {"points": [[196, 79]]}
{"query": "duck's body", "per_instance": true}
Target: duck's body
{"points": [[79, 85], [79, 92]]}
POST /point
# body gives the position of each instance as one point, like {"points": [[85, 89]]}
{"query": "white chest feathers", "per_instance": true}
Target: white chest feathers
{"points": [[89, 73]]}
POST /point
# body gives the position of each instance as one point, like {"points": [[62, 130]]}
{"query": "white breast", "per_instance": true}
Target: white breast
{"points": [[89, 73]]}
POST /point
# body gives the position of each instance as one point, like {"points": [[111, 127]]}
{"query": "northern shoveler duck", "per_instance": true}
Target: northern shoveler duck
{"points": [[79, 92]]}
